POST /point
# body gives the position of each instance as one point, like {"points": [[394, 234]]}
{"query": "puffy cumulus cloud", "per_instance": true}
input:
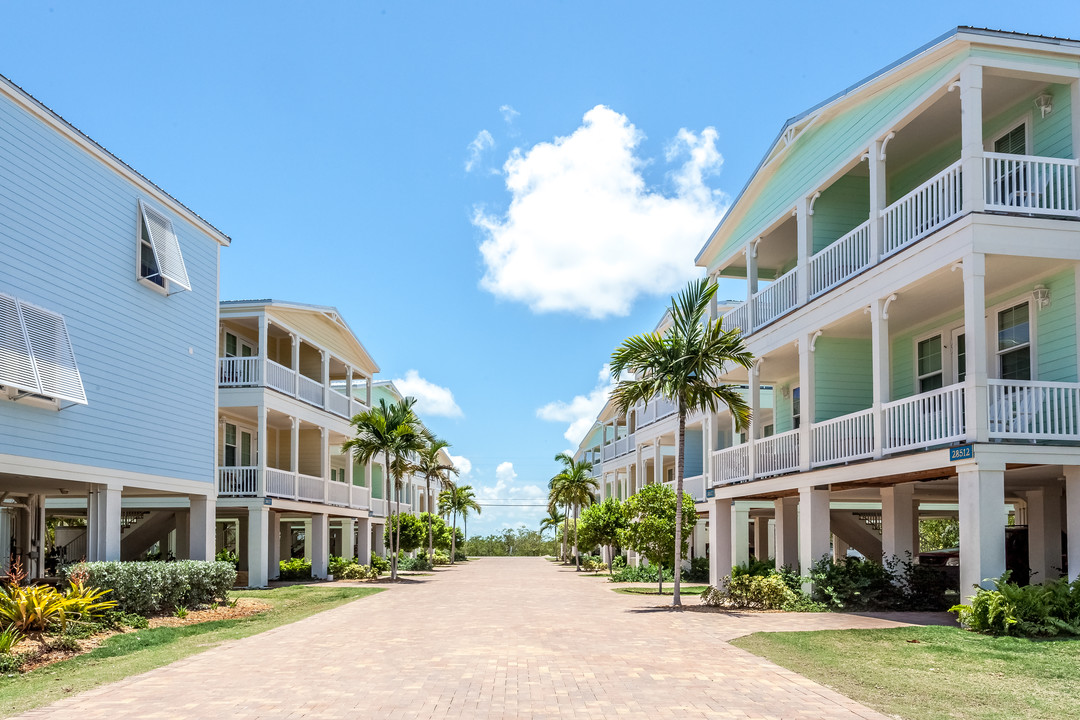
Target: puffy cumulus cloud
{"points": [[506, 486], [463, 465], [476, 148], [584, 233], [431, 399], [581, 411], [508, 114]]}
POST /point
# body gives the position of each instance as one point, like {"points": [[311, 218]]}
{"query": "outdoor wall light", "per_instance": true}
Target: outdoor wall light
{"points": [[1041, 296], [1045, 103]]}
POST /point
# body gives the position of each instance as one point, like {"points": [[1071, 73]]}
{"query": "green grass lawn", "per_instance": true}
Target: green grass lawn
{"points": [[651, 590], [138, 651], [948, 673]]}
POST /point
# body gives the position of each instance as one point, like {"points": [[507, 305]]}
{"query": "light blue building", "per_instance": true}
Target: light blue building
{"points": [[108, 342]]}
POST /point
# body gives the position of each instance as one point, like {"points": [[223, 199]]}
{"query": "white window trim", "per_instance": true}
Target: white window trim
{"points": [[945, 358], [993, 355], [240, 427], [179, 276], [1029, 142]]}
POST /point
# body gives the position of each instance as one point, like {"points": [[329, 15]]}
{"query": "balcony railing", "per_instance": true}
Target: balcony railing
{"points": [[843, 439], [338, 403], [731, 464], [378, 507], [249, 372], [1029, 184], [280, 377], [932, 205], [776, 454], [1033, 410], [738, 317], [238, 481], [694, 486], [238, 371], [280, 483], [272, 482], [844, 259], [338, 493], [777, 299], [930, 418]]}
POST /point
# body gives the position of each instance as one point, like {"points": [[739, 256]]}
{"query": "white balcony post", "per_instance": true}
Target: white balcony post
{"points": [[258, 550], [349, 470], [264, 348], [1044, 532], [324, 458], [751, 282], [320, 544], [806, 400], [348, 387], [971, 137], [201, 543], [707, 431], [295, 363], [719, 539], [363, 541], [787, 532], [815, 531], [367, 384], [878, 200], [740, 533], [755, 410], [658, 462], [982, 527], [805, 246], [976, 396], [1072, 514], [879, 342], [1074, 102], [712, 301], [325, 378], [897, 519], [260, 445]]}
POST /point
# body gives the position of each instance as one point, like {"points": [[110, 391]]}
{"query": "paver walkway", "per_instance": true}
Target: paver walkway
{"points": [[497, 638]]}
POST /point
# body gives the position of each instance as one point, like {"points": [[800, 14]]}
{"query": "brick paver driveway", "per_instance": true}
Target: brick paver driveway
{"points": [[497, 638]]}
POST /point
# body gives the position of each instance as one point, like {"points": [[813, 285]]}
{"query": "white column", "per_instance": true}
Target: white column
{"points": [[755, 415], [1044, 533], [203, 510], [295, 363], [258, 552], [879, 342], [658, 462], [1072, 515], [363, 541], [324, 459], [260, 447], [806, 400], [971, 137], [897, 518], [325, 377], [719, 539], [761, 537], [367, 384], [380, 539], [350, 464], [348, 537], [109, 499], [307, 540], [805, 247], [264, 345], [814, 527], [982, 527], [975, 342], [878, 200], [273, 545], [740, 533], [320, 544], [787, 532], [751, 282]]}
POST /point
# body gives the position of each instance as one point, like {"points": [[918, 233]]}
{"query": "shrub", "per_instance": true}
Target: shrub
{"points": [[9, 638], [1052, 608], [380, 564], [418, 563], [32, 609], [854, 584], [148, 587], [294, 569], [460, 556], [593, 563], [227, 555], [64, 642], [618, 562], [761, 568], [336, 565], [641, 573], [698, 571], [11, 663], [755, 592]]}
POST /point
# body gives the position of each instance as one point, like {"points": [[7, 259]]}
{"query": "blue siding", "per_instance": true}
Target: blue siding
{"points": [[695, 453], [67, 234]]}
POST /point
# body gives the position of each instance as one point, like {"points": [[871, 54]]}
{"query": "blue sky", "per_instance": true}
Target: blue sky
{"points": [[402, 164]]}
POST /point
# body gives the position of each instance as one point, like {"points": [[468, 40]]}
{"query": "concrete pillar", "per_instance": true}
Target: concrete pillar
{"points": [[719, 539], [740, 533], [982, 527], [307, 539], [320, 544], [348, 537], [787, 532], [897, 518], [380, 539], [285, 546], [182, 539], [1072, 515], [701, 539], [814, 526], [976, 396], [107, 521], [971, 137], [273, 545], [1044, 533], [258, 551], [203, 512], [363, 541], [761, 538]]}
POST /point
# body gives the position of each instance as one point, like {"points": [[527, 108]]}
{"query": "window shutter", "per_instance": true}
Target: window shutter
{"points": [[54, 359], [16, 362], [165, 245]]}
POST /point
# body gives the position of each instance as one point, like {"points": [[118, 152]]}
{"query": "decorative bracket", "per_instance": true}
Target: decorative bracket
{"points": [[813, 340], [885, 309], [885, 143], [958, 265], [810, 210]]}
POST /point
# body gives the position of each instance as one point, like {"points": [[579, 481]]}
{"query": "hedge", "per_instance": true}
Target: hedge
{"points": [[149, 587]]}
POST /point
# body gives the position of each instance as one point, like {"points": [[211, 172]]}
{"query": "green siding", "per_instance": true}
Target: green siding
{"points": [[1055, 331], [907, 178], [377, 482], [782, 411], [359, 474], [1050, 136], [842, 207], [843, 375]]}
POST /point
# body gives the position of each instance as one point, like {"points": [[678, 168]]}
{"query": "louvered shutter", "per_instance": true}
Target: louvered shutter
{"points": [[166, 247], [54, 359], [16, 362]]}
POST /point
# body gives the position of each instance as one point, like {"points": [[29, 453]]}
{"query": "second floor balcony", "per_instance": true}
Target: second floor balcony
{"points": [[254, 371]]}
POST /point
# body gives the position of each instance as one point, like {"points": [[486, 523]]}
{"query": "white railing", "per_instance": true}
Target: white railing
{"points": [[337, 493], [310, 391], [646, 413], [731, 464], [777, 299], [776, 454], [280, 377], [737, 317], [238, 480], [356, 407], [1033, 410], [843, 259], [309, 487], [609, 451], [620, 446], [664, 407], [280, 483], [694, 486], [842, 439], [1030, 184], [361, 497], [338, 404], [930, 418], [238, 371], [923, 210], [378, 507]]}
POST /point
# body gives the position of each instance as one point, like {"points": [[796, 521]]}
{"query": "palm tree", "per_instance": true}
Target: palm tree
{"points": [[431, 466], [575, 487], [552, 522], [683, 365], [468, 504], [393, 431], [554, 500], [456, 500]]}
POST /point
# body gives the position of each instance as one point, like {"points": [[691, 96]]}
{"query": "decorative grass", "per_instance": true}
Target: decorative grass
{"points": [[651, 590]]}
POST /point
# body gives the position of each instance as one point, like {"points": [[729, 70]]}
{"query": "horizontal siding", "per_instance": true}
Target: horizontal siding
{"points": [[842, 207], [1055, 331], [782, 421], [67, 233], [843, 377], [695, 453]]}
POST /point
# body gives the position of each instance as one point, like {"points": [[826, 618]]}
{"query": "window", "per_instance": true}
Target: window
{"points": [[1013, 142], [160, 260], [237, 346], [960, 354], [1014, 343], [237, 451], [796, 409], [36, 357], [931, 375]]}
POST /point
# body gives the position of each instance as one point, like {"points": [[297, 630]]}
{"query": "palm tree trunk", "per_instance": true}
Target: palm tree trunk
{"points": [[565, 532], [680, 463], [430, 537], [577, 553], [397, 534], [389, 482], [453, 539], [660, 577]]}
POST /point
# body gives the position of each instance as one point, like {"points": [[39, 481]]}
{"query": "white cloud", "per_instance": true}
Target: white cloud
{"points": [[584, 233], [463, 465], [508, 114], [506, 487], [431, 399], [581, 411], [476, 148]]}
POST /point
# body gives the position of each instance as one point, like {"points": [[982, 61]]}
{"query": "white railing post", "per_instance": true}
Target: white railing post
{"points": [[755, 412], [805, 248], [971, 136], [806, 399], [260, 444], [975, 343], [751, 284], [878, 198], [881, 377], [264, 344], [295, 363]]}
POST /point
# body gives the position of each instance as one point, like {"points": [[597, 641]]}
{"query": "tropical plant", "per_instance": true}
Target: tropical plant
{"points": [[409, 532], [600, 525], [553, 520], [683, 365], [32, 609], [394, 431], [554, 501], [574, 487], [457, 500], [430, 465], [652, 526]]}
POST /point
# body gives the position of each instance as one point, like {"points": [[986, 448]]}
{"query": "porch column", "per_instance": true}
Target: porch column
{"points": [[295, 339], [761, 537], [975, 341], [814, 526], [201, 517], [367, 387], [258, 552], [787, 532], [658, 462], [740, 533], [751, 282], [109, 499], [320, 544], [286, 541], [755, 415], [897, 518], [264, 346], [878, 200], [324, 458], [982, 527], [879, 341], [307, 540], [719, 539], [971, 137], [707, 431], [260, 448], [1044, 533], [380, 539], [325, 377], [183, 535], [363, 541], [839, 548], [806, 399], [349, 470], [805, 247], [1072, 515], [273, 545], [348, 537]]}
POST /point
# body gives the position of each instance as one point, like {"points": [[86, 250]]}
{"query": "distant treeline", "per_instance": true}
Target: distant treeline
{"points": [[520, 542]]}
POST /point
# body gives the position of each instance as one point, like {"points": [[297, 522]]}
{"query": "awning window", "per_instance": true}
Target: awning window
{"points": [[35, 352], [165, 246]]}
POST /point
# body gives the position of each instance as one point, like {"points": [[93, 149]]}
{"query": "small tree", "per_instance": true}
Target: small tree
{"points": [[600, 525], [440, 531], [650, 527], [410, 531]]}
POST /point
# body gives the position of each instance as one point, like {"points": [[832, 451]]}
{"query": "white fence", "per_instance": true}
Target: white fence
{"points": [[1033, 410], [238, 480], [280, 378], [310, 391], [737, 317], [280, 483], [338, 493], [842, 439], [777, 299], [923, 210], [731, 464], [1029, 184], [843, 259], [338, 404], [238, 371], [776, 454], [930, 418], [309, 487]]}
